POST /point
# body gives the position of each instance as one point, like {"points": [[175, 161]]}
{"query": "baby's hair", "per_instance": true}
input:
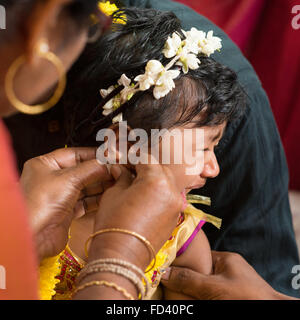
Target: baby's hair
{"points": [[207, 96]]}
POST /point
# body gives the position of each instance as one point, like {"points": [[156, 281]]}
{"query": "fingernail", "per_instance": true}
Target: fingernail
{"points": [[166, 274]]}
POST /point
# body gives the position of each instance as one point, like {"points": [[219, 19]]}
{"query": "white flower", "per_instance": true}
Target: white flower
{"points": [[124, 81], [193, 39], [104, 93], [118, 118], [154, 67], [109, 105], [106, 112], [210, 44], [172, 46], [188, 61], [146, 80], [165, 83], [127, 90]]}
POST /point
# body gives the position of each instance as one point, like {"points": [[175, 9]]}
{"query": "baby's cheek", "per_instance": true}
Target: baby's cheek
{"points": [[180, 175]]}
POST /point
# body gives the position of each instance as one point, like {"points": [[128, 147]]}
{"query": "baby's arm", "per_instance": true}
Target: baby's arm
{"points": [[196, 257]]}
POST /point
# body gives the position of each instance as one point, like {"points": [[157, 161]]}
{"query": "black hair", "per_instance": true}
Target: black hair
{"points": [[212, 90]]}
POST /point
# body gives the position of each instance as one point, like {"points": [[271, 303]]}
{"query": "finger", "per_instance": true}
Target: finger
{"points": [[97, 188], [86, 206], [93, 190], [217, 256], [189, 282], [69, 157], [86, 173], [224, 257], [123, 175]]}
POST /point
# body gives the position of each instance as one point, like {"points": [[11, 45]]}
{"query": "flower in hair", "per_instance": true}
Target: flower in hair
{"points": [[165, 83], [112, 104], [148, 79], [193, 40], [188, 61], [157, 75], [184, 53], [115, 103], [210, 44], [172, 46]]}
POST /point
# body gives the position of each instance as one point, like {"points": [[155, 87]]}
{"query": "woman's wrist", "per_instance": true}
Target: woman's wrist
{"points": [[103, 292], [117, 246], [120, 246]]}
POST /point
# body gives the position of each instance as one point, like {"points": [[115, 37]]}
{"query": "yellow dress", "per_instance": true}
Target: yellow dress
{"points": [[58, 274]]}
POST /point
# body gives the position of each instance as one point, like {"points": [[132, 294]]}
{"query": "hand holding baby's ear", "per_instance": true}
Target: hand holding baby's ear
{"points": [[58, 187], [138, 202]]}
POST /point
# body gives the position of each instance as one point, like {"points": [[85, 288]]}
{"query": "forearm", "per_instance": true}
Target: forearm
{"points": [[117, 246]]}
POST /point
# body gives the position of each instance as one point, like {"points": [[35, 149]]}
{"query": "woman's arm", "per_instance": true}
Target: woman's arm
{"points": [[153, 192], [197, 257]]}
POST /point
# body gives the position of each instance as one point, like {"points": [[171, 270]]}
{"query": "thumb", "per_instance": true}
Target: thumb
{"points": [[189, 282]]}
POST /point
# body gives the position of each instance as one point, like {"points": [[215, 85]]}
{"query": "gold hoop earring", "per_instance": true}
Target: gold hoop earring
{"points": [[42, 51]]}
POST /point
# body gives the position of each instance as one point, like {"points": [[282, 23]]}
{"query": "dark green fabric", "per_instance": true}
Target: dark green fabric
{"points": [[251, 192]]}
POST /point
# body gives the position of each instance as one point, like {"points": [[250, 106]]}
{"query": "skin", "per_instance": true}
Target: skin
{"points": [[232, 279], [83, 227], [77, 171], [36, 77], [68, 177], [198, 255]]}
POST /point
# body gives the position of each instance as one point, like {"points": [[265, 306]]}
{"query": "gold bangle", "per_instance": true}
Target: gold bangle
{"points": [[119, 262], [132, 233], [121, 271], [113, 285]]}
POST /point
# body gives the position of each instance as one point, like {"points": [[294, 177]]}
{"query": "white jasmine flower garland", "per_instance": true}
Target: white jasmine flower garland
{"points": [[184, 53]]}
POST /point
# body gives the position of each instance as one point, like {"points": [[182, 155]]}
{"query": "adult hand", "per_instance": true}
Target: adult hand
{"points": [[232, 279], [147, 203], [59, 187]]}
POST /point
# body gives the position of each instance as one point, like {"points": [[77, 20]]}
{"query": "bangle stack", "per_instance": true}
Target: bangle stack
{"points": [[116, 266], [132, 233], [113, 285]]}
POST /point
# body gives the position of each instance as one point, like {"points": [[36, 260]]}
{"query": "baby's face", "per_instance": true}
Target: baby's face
{"points": [[205, 155]]}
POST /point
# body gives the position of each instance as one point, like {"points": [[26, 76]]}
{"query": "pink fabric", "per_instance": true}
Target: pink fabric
{"points": [[190, 239], [263, 30]]}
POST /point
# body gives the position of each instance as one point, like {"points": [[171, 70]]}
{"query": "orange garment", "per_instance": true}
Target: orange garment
{"points": [[18, 265]]}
